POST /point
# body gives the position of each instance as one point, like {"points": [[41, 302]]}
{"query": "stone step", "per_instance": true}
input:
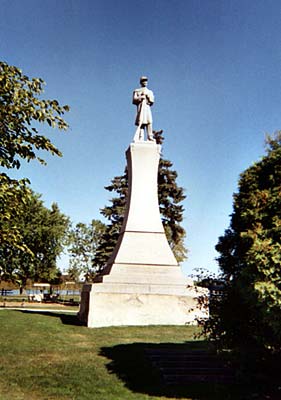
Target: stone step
{"points": [[170, 352], [186, 366], [178, 355], [191, 378], [195, 371], [147, 277], [144, 288], [162, 274], [166, 269], [189, 363]]}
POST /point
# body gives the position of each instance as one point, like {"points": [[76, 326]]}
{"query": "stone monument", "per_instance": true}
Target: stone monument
{"points": [[142, 283]]}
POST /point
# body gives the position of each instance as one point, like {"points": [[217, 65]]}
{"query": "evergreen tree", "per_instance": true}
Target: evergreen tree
{"points": [[170, 196], [247, 317]]}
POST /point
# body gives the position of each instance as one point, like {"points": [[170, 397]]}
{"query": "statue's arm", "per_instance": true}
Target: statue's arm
{"points": [[150, 97], [137, 97]]}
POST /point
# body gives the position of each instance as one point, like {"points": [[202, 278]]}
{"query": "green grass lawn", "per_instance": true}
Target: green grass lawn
{"points": [[49, 356]]}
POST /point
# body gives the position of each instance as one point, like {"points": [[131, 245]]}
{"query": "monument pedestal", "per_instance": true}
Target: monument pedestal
{"points": [[142, 283]]}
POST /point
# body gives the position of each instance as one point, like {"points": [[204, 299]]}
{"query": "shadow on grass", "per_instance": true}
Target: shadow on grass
{"points": [[66, 319], [131, 364]]}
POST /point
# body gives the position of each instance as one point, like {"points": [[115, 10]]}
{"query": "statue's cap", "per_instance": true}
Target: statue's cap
{"points": [[143, 78]]}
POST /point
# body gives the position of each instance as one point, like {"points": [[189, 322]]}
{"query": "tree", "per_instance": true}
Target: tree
{"points": [[170, 196], [83, 242], [42, 233], [13, 195], [247, 318], [21, 112], [20, 106], [114, 213]]}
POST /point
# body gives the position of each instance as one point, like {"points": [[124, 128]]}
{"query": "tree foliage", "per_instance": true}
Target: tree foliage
{"points": [[20, 107], [170, 196], [22, 112], [114, 213], [13, 195], [83, 241], [248, 316], [42, 232]]}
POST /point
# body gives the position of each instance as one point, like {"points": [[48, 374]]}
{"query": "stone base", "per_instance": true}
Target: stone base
{"points": [[142, 283], [119, 304]]}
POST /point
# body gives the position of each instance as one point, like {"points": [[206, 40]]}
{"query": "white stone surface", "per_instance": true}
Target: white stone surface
{"points": [[142, 239], [135, 308], [143, 213], [144, 248], [142, 283], [152, 274]]}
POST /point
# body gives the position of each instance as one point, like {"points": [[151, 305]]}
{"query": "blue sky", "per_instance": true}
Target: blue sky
{"points": [[214, 67]]}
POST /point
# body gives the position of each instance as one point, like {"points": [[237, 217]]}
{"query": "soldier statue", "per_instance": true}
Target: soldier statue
{"points": [[144, 99]]}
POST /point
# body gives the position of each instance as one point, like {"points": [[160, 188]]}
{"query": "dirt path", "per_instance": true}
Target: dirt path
{"points": [[35, 305]]}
